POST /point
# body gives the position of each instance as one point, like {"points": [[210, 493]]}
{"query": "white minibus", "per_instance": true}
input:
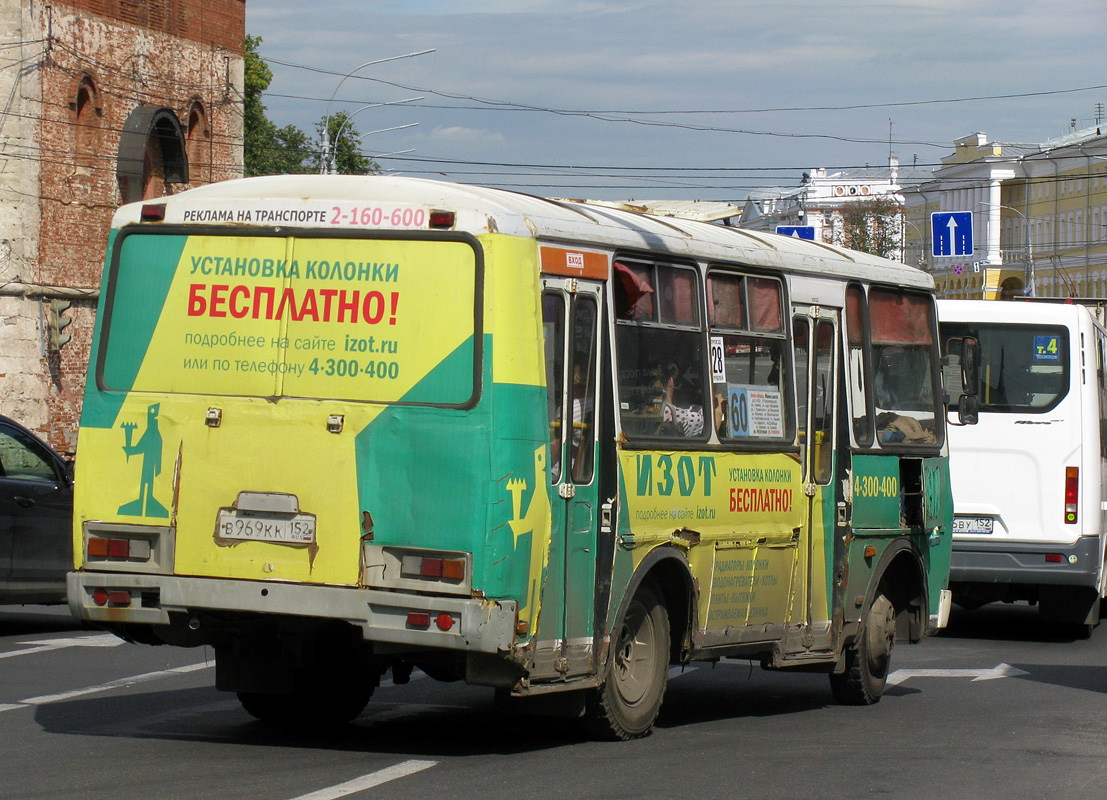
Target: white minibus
{"points": [[1028, 479]]}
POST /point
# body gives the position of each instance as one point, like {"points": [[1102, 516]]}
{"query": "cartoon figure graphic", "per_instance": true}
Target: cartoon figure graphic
{"points": [[535, 521], [149, 447]]}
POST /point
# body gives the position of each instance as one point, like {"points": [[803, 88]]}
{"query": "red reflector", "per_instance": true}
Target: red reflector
{"points": [[100, 597], [1054, 558], [119, 597], [119, 548], [431, 568], [417, 619], [153, 212], [444, 622], [1072, 493], [98, 547], [442, 219]]}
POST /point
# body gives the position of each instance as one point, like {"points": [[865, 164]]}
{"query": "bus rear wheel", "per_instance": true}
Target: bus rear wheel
{"points": [[320, 698], [862, 682], [627, 704]]}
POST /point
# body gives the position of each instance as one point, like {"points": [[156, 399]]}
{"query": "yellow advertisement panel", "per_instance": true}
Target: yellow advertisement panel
{"points": [[742, 518], [328, 318]]}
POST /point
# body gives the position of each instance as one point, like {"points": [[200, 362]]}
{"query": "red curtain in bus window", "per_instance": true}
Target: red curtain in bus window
{"points": [[765, 305], [677, 295], [725, 305], [899, 318], [855, 297], [636, 299]]}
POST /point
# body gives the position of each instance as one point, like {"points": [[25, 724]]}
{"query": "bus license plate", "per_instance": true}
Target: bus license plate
{"points": [[973, 524], [238, 526]]}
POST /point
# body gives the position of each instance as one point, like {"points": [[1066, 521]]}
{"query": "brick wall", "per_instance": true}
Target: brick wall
{"points": [[107, 57]]}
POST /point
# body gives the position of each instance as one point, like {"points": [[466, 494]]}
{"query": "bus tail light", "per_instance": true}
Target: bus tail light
{"points": [[1072, 492], [442, 219], [111, 597], [428, 568], [118, 549]]}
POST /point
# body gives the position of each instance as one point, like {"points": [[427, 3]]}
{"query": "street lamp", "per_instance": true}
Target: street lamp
{"points": [[331, 168], [922, 240], [1028, 290], [325, 143]]}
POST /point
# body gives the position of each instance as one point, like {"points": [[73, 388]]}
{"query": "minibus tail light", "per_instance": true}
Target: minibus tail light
{"points": [[1072, 492], [442, 219], [430, 568], [153, 212]]}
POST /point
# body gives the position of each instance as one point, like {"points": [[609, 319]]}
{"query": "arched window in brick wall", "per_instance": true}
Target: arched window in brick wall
{"points": [[87, 116], [152, 154], [198, 139]]}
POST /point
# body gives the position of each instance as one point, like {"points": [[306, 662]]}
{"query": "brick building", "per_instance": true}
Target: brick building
{"points": [[102, 102]]}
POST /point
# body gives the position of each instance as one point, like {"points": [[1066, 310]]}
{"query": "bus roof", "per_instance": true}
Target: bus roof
{"points": [[480, 210], [1031, 311]]}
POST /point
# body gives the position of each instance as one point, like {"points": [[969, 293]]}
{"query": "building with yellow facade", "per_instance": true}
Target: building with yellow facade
{"points": [[1038, 217]]}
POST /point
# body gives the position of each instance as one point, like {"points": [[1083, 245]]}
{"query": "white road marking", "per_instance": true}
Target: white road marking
{"points": [[105, 687], [43, 645], [400, 770], [998, 671]]}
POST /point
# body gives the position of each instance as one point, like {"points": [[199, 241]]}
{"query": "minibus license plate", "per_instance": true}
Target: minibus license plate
{"points": [[973, 524], [298, 529]]}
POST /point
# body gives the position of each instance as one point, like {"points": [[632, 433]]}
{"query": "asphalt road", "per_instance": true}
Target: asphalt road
{"points": [[998, 706]]}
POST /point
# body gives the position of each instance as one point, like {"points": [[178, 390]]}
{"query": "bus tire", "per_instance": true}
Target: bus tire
{"points": [[627, 703], [867, 659], [319, 699]]}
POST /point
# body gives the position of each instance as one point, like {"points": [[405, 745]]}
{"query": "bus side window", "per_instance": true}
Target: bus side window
{"points": [[659, 346], [553, 334], [749, 367], [856, 338]]}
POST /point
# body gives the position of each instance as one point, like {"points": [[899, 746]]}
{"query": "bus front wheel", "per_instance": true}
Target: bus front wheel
{"points": [[627, 704], [867, 659]]}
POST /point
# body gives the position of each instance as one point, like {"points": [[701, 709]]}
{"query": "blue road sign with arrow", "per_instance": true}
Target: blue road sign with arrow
{"points": [[952, 233], [797, 231]]}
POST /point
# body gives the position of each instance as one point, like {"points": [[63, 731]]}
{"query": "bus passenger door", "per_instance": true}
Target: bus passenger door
{"points": [[815, 331], [571, 320]]}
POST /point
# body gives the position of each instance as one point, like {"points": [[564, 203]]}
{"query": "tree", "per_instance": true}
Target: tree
{"points": [[268, 150], [872, 226], [348, 158]]}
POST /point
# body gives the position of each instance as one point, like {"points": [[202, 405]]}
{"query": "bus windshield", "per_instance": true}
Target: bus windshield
{"points": [[1023, 368], [903, 387]]}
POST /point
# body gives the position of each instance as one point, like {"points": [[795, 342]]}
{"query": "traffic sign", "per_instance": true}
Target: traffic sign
{"points": [[797, 231], [952, 233]]}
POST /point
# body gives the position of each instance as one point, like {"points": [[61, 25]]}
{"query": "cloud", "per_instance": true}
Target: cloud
{"points": [[468, 136]]}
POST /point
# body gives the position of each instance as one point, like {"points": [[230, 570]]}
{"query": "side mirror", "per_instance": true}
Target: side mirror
{"points": [[968, 409]]}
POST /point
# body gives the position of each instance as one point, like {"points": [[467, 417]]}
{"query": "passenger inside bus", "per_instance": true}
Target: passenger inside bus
{"points": [[677, 406]]}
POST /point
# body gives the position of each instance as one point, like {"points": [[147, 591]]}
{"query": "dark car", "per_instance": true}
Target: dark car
{"points": [[36, 518]]}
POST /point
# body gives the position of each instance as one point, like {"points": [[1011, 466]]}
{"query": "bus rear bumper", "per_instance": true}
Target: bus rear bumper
{"points": [[990, 562], [455, 623]]}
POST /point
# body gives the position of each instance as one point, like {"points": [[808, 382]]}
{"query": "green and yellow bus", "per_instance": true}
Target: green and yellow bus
{"points": [[340, 427]]}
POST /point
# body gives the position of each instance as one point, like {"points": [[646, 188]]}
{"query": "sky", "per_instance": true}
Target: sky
{"points": [[651, 100]]}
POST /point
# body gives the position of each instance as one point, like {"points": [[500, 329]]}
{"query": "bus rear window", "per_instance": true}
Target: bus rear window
{"points": [[1023, 368], [374, 320]]}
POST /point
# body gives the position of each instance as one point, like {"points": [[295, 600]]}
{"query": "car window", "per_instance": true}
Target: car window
{"points": [[22, 458]]}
